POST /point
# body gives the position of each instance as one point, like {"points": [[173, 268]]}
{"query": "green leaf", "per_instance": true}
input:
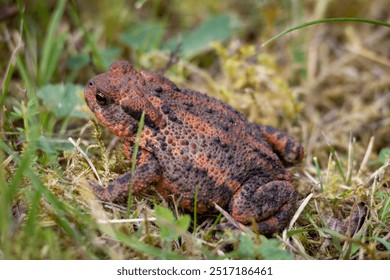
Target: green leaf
{"points": [[109, 55], [246, 247], [170, 228], [51, 146], [144, 36], [78, 61], [165, 218], [63, 100], [183, 223], [270, 249], [383, 154], [382, 157], [164, 213], [215, 29]]}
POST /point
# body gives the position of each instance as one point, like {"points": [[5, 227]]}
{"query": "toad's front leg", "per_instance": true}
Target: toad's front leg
{"points": [[147, 172]]}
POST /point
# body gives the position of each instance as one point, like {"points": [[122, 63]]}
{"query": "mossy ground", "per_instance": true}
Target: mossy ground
{"points": [[328, 85]]}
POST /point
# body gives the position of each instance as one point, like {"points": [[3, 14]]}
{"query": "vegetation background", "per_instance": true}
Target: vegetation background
{"points": [[328, 85]]}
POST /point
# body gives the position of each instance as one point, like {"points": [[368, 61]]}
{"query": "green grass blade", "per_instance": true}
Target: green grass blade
{"points": [[60, 210], [8, 75], [23, 72], [54, 58], [27, 78], [195, 207], [385, 209], [31, 225], [5, 212], [50, 44], [339, 166], [314, 22], [133, 162], [318, 169], [384, 242]]}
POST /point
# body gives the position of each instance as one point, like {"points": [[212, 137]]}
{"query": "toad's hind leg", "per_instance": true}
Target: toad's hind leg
{"points": [[147, 172], [270, 205], [286, 147]]}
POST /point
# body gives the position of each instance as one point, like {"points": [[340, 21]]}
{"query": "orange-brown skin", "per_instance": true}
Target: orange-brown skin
{"points": [[190, 141]]}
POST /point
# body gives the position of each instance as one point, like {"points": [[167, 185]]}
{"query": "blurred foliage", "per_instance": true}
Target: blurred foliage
{"points": [[64, 100]]}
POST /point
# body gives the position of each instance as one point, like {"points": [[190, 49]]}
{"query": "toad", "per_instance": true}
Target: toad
{"points": [[192, 141]]}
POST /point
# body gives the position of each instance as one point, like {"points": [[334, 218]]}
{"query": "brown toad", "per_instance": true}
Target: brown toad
{"points": [[190, 141]]}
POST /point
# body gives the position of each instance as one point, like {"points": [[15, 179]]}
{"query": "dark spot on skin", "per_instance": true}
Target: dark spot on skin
{"points": [[139, 153], [161, 138], [225, 127], [289, 147], [188, 106], [163, 146], [158, 89], [270, 129], [165, 109], [281, 135], [133, 129], [123, 179], [230, 119], [143, 168], [133, 113], [149, 144], [298, 153], [137, 116], [172, 116]]}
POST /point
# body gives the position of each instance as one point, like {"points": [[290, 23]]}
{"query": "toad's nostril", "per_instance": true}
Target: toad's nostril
{"points": [[90, 84]]}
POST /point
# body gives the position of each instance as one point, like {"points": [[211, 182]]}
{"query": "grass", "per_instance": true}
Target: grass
{"points": [[327, 85]]}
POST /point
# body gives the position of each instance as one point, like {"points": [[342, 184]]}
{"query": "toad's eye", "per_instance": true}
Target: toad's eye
{"points": [[101, 98]]}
